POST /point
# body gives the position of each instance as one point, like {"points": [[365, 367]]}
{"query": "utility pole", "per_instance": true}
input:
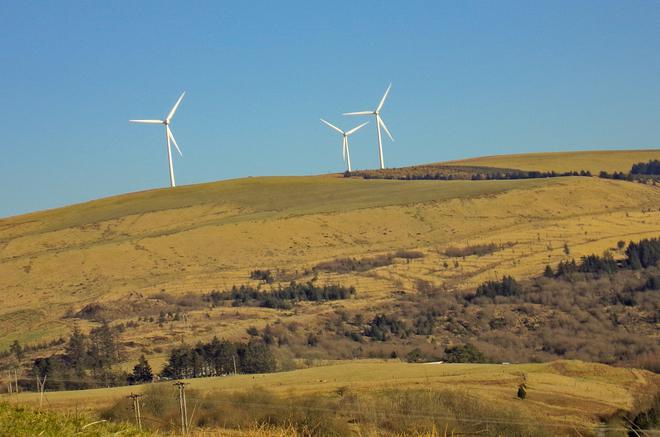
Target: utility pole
{"points": [[182, 406], [136, 409]]}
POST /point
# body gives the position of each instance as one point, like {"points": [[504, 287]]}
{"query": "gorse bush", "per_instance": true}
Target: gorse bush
{"points": [[476, 249], [348, 265]]}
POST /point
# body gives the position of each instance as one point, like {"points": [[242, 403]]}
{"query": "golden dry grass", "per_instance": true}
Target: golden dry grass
{"points": [[561, 392], [210, 236], [594, 161], [205, 237]]}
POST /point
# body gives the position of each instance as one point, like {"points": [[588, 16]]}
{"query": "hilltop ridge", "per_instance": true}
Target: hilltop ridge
{"points": [[198, 238]]}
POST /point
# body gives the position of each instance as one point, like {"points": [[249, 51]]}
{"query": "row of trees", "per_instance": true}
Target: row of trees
{"points": [[86, 362], [282, 297], [646, 168], [507, 286], [639, 255], [643, 254], [638, 171], [439, 175], [218, 357]]}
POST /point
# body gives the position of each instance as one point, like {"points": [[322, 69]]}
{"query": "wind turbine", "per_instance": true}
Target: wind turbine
{"points": [[168, 135], [346, 154], [379, 123]]}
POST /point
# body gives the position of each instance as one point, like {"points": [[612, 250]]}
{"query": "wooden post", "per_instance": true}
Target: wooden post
{"points": [[136, 409], [182, 406]]}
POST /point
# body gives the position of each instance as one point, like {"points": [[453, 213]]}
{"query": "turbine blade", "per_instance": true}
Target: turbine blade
{"points": [[382, 123], [343, 148], [359, 113], [175, 107], [332, 126], [147, 121], [356, 128], [169, 133], [382, 101]]}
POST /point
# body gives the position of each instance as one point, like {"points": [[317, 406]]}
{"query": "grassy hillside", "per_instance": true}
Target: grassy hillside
{"points": [[594, 161], [397, 242], [569, 394], [124, 249]]}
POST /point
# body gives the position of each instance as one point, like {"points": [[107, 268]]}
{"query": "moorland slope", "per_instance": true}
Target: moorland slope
{"points": [[199, 238]]}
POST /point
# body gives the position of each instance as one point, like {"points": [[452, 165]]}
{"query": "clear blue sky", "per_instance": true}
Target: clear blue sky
{"points": [[469, 78]]}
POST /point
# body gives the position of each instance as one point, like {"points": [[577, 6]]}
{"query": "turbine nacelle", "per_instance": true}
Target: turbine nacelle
{"points": [[379, 123], [346, 154], [169, 137]]}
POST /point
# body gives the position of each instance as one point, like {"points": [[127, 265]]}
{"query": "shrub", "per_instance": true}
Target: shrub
{"points": [[508, 286], [477, 249], [347, 265], [382, 327], [465, 353], [415, 356], [262, 275]]}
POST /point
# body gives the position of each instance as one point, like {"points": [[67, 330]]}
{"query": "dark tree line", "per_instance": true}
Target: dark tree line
{"points": [[639, 255], [617, 175], [507, 286], [637, 172], [282, 297], [86, 362], [479, 176], [643, 254], [218, 357], [646, 168]]}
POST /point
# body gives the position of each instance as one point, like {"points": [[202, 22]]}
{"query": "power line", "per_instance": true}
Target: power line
{"points": [[185, 420]]}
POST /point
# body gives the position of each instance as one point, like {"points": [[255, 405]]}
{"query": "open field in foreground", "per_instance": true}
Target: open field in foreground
{"points": [[562, 392]]}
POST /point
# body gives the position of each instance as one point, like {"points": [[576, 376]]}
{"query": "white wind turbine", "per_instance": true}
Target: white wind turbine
{"points": [[346, 154], [379, 123], [168, 135]]}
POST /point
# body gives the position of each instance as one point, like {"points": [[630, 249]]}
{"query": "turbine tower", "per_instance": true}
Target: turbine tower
{"points": [[379, 123], [168, 135], [346, 154]]}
